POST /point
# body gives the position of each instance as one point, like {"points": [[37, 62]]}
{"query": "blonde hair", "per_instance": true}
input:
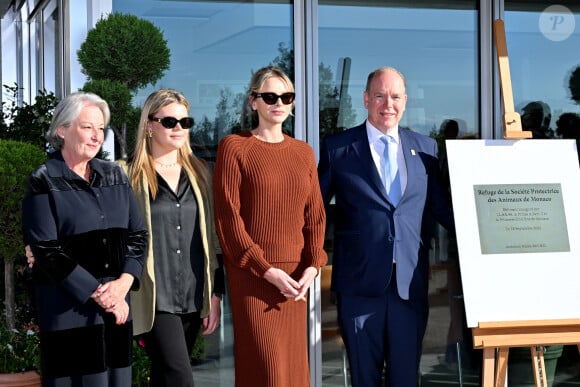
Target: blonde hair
{"points": [[142, 163]]}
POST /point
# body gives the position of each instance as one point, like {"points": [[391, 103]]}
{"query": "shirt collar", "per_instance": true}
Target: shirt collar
{"points": [[374, 135]]}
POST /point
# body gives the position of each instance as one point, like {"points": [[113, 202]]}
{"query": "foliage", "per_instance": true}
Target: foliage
{"points": [[336, 113], [27, 122], [23, 129], [133, 116], [19, 347], [574, 85], [125, 48], [17, 160], [197, 354], [22, 148], [141, 364]]}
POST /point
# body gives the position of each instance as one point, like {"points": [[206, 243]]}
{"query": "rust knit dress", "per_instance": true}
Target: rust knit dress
{"points": [[269, 213]]}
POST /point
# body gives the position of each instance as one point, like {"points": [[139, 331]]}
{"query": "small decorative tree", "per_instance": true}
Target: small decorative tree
{"points": [[127, 50]]}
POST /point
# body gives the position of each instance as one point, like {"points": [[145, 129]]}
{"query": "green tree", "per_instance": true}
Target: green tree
{"points": [[17, 160], [335, 112], [574, 85], [126, 50]]}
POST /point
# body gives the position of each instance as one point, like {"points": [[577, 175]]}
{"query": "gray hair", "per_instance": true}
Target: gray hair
{"points": [[68, 110]]}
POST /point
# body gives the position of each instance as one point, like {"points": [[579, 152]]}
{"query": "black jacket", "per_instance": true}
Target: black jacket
{"points": [[81, 234]]}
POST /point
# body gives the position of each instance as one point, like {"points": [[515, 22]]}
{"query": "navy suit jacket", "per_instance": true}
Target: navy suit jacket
{"points": [[367, 226]]}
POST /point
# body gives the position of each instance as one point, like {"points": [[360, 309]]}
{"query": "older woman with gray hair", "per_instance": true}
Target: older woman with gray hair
{"points": [[85, 231]]}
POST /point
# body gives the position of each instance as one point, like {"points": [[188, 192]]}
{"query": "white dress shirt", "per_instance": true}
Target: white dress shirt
{"points": [[378, 147]]}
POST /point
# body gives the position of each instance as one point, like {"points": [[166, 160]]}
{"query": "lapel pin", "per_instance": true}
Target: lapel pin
{"points": [[413, 152]]}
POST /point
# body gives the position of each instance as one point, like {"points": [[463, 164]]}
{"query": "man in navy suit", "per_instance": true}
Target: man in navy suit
{"points": [[382, 239]]}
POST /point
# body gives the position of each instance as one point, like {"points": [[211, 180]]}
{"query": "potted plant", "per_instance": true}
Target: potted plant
{"points": [[19, 354]]}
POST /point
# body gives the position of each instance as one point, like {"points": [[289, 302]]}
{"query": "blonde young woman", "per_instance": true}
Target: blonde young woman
{"points": [[178, 293], [270, 219]]}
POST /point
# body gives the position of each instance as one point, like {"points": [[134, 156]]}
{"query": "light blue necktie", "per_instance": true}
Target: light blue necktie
{"points": [[391, 172]]}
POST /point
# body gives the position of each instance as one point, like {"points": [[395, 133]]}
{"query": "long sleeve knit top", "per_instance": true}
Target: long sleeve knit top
{"points": [[268, 204]]}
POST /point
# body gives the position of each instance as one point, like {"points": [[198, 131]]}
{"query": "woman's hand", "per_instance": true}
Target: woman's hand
{"points": [[29, 256], [305, 281], [121, 312], [211, 322], [113, 293], [286, 284]]}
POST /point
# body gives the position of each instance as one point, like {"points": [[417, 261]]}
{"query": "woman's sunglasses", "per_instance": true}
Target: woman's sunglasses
{"points": [[171, 122], [272, 98]]}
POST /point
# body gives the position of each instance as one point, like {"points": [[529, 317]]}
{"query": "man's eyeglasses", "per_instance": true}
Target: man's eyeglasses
{"points": [[272, 98], [171, 122]]}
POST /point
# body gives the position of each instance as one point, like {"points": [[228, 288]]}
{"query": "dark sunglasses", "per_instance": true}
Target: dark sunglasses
{"points": [[272, 98], [171, 122]]}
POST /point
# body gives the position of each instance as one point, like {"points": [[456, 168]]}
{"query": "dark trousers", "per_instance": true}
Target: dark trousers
{"points": [[169, 345], [382, 331]]}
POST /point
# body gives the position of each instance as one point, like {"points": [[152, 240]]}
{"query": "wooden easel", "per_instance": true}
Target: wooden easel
{"points": [[511, 119], [495, 338]]}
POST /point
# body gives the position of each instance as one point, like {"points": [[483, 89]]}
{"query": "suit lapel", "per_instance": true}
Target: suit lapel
{"points": [[411, 154], [362, 149]]}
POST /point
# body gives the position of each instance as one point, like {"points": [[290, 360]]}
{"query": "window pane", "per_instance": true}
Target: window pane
{"points": [[9, 46], [436, 48], [215, 47], [50, 47], [542, 41]]}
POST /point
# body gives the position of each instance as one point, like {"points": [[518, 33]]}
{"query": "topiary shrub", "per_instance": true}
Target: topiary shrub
{"points": [[122, 54]]}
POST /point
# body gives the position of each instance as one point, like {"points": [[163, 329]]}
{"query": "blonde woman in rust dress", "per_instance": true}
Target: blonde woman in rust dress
{"points": [[270, 219]]}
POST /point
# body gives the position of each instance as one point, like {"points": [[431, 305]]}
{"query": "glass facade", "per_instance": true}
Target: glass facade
{"points": [[328, 47], [49, 29], [542, 41], [215, 47], [435, 47]]}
